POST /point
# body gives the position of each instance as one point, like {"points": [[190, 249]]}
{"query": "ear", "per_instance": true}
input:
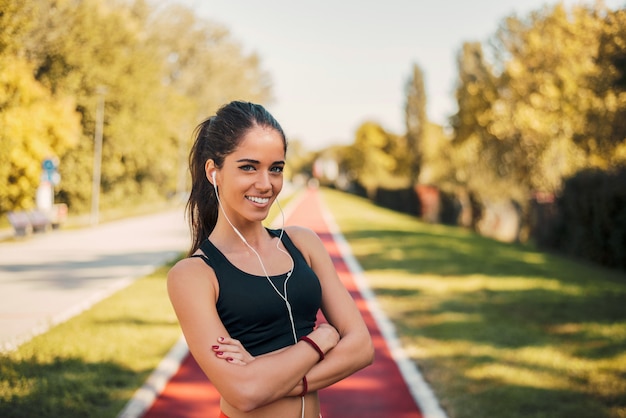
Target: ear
{"points": [[210, 170]]}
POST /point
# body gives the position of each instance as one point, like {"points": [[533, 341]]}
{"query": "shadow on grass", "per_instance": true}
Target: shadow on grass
{"points": [[496, 399], [64, 387]]}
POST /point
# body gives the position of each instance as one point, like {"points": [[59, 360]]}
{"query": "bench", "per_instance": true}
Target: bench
{"points": [[39, 221], [20, 222], [36, 220]]}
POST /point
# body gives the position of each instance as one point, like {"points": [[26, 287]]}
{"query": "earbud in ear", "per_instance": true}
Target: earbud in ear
{"points": [[213, 175]]}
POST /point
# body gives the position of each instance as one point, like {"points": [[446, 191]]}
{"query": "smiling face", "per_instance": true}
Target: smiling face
{"points": [[252, 176]]}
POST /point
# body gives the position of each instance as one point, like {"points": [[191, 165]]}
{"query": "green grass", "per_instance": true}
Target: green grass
{"points": [[498, 330], [91, 365]]}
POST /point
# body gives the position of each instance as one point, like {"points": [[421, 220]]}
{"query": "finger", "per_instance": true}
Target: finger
{"points": [[235, 361], [233, 358], [229, 341]]}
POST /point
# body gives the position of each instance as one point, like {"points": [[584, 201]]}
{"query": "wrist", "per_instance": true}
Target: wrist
{"points": [[305, 387], [313, 345]]}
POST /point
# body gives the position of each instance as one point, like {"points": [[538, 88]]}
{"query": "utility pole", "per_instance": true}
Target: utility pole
{"points": [[97, 156]]}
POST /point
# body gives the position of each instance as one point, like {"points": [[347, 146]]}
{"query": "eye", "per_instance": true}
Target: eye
{"points": [[277, 169], [247, 167]]}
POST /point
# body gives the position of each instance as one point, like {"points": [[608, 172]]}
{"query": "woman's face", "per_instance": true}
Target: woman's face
{"points": [[252, 176]]}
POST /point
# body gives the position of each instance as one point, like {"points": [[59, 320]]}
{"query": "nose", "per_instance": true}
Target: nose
{"points": [[263, 182]]}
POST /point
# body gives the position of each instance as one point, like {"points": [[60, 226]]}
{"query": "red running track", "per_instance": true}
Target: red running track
{"points": [[376, 391]]}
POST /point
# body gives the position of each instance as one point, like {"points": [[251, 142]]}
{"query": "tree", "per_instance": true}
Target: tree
{"points": [[372, 158], [604, 136], [204, 63], [544, 94], [164, 71], [415, 120], [34, 126], [476, 154]]}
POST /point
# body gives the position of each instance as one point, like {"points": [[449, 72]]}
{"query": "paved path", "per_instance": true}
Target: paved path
{"points": [[45, 279], [377, 391]]}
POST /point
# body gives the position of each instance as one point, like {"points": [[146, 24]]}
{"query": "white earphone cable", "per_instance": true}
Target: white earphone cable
{"points": [[280, 237], [284, 298]]}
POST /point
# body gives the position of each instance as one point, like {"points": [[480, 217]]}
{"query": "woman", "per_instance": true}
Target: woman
{"points": [[247, 297]]}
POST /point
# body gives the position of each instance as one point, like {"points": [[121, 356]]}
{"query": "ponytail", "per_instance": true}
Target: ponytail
{"points": [[202, 203]]}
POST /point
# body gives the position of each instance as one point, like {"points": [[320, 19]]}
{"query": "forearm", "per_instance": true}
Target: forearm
{"points": [[274, 376], [351, 354], [266, 379]]}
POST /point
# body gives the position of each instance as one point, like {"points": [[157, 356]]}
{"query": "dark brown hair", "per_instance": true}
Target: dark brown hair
{"points": [[216, 138]]}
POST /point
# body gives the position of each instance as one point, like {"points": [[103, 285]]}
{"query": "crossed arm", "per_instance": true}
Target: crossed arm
{"points": [[265, 379]]}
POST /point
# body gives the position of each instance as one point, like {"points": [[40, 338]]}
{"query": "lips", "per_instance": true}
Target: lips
{"points": [[259, 200]]}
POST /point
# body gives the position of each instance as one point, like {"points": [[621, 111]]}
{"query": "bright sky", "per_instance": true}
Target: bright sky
{"points": [[335, 64]]}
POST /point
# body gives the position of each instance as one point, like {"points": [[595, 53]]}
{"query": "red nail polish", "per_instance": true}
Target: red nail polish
{"points": [[215, 347], [220, 339], [219, 353], [229, 359]]}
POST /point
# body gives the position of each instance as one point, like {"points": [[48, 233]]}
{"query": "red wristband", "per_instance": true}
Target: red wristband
{"points": [[315, 346], [305, 386]]}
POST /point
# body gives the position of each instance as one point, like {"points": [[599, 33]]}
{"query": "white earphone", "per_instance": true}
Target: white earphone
{"points": [[214, 185]]}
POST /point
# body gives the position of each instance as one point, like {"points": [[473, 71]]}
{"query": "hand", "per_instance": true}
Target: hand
{"points": [[232, 351], [325, 336]]}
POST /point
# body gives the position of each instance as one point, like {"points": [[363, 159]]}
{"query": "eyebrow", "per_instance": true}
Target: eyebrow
{"points": [[251, 161]]}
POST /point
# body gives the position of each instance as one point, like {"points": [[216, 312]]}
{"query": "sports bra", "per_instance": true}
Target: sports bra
{"points": [[250, 308]]}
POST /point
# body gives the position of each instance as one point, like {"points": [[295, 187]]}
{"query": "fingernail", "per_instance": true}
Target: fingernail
{"points": [[229, 359], [220, 339], [219, 353], [215, 347]]}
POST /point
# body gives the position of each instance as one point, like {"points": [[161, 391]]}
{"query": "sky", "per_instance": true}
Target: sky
{"points": [[335, 64]]}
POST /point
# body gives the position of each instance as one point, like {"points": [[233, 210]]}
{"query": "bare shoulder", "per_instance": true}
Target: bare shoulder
{"points": [[308, 242], [191, 274], [301, 236]]}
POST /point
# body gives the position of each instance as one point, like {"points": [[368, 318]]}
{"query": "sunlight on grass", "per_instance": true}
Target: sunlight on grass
{"points": [[519, 376], [498, 330], [473, 283], [615, 331]]}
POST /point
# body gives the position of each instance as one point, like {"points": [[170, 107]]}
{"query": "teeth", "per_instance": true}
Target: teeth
{"points": [[260, 200]]}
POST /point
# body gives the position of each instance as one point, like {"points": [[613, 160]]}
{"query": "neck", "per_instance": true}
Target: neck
{"points": [[252, 233]]}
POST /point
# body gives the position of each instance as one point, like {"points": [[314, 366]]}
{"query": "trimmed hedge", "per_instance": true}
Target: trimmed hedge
{"points": [[591, 219]]}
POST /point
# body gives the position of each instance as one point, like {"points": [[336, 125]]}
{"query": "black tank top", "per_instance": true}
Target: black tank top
{"points": [[250, 308]]}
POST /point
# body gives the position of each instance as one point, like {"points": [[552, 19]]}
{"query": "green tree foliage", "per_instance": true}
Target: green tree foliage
{"points": [[204, 63], [436, 162], [551, 103], [540, 113], [373, 158], [300, 160], [544, 94], [604, 136], [34, 126], [478, 158], [163, 69], [415, 120]]}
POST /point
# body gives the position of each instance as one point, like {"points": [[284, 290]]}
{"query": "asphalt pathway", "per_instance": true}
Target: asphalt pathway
{"points": [[387, 388], [47, 278]]}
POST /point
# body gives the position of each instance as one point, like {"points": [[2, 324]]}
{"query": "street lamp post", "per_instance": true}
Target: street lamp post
{"points": [[97, 156]]}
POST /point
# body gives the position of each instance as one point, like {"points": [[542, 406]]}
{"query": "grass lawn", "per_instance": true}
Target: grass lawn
{"points": [[498, 330]]}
